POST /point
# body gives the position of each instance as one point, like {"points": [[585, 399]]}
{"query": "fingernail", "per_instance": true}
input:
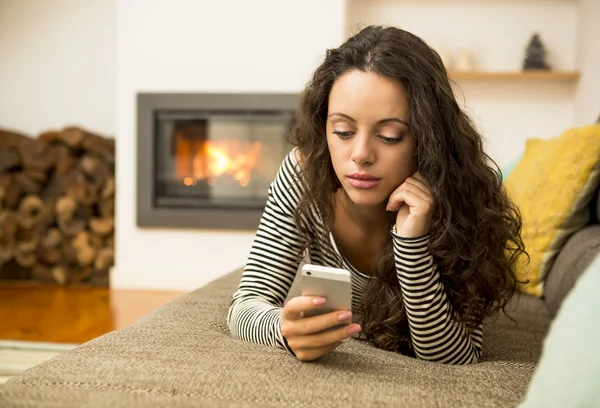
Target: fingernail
{"points": [[319, 301], [355, 328], [345, 316]]}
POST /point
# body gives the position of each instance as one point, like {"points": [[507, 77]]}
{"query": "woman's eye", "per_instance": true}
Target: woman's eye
{"points": [[390, 140], [343, 135]]}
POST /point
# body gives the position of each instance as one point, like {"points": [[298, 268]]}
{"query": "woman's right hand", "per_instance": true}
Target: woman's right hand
{"points": [[306, 336]]}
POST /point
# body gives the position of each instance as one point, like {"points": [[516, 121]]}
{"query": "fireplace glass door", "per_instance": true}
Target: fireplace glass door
{"points": [[218, 159]]}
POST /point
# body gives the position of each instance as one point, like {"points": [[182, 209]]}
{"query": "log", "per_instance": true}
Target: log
{"points": [[65, 207], [9, 159], [108, 191], [31, 211], [8, 232], [97, 241], [24, 249], [102, 226], [71, 227], [86, 255], [25, 259], [75, 185], [37, 155], [38, 175], [60, 274], [49, 137], [91, 195], [71, 137], [48, 255], [85, 252], [28, 246], [41, 273], [12, 192], [99, 146], [49, 250], [8, 138], [52, 238], [52, 190], [65, 160], [109, 242], [26, 184], [104, 259], [96, 170], [106, 207], [80, 275], [68, 254], [65, 210]]}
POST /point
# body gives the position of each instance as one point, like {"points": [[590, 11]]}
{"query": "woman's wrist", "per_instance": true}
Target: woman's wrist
{"points": [[408, 238]]}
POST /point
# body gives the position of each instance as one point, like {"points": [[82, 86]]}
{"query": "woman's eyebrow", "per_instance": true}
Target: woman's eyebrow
{"points": [[379, 122]]}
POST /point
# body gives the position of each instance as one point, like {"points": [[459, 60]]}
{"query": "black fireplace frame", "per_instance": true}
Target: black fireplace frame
{"points": [[148, 104]]}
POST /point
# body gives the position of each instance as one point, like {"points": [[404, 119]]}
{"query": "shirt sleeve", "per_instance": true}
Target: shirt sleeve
{"points": [[255, 311], [436, 335]]}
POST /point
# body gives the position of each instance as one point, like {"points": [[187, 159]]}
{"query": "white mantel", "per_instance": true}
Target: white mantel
{"points": [[203, 46]]}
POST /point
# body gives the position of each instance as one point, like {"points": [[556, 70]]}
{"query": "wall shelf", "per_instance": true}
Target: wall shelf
{"points": [[556, 76]]}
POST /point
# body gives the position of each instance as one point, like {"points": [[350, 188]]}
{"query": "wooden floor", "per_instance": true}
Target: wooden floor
{"points": [[41, 312]]}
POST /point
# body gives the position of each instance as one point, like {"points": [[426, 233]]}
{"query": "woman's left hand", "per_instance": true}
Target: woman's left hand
{"points": [[413, 201]]}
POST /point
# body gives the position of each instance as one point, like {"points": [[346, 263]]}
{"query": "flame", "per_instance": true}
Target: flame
{"points": [[199, 159], [209, 160]]}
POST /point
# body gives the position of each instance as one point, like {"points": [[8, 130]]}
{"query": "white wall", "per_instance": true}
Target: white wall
{"points": [[587, 103], [203, 46], [496, 33], [58, 64]]}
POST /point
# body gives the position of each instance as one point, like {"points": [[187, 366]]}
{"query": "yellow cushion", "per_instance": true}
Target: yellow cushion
{"points": [[552, 185]]}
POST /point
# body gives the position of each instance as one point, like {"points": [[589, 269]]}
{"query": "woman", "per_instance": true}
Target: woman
{"points": [[388, 179]]}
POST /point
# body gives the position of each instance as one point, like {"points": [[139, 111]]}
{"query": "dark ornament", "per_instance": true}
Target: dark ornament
{"points": [[535, 57]]}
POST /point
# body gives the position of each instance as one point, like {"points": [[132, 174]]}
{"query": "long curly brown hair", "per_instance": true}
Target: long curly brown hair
{"points": [[475, 238]]}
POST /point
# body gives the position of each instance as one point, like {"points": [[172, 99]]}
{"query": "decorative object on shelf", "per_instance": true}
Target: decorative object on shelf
{"points": [[535, 56], [463, 60]]}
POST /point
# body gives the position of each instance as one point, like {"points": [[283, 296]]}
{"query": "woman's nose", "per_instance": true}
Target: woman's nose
{"points": [[362, 153]]}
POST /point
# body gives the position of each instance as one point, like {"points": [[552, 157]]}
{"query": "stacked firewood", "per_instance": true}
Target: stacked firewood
{"points": [[57, 203]]}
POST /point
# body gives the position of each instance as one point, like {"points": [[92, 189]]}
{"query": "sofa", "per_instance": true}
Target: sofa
{"points": [[182, 355]]}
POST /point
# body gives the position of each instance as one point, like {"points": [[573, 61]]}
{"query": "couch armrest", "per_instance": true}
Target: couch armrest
{"points": [[577, 254]]}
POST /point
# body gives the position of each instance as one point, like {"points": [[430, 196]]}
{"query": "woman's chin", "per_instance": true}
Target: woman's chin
{"points": [[365, 197]]}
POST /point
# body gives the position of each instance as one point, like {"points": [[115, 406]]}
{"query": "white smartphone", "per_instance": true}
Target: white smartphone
{"points": [[334, 284]]}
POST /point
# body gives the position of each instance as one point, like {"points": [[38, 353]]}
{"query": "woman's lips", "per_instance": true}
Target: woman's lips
{"points": [[363, 181]]}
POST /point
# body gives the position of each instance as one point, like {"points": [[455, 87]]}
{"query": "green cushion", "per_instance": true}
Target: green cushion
{"points": [[569, 369]]}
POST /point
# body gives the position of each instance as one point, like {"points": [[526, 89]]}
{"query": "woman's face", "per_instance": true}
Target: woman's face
{"points": [[368, 136]]}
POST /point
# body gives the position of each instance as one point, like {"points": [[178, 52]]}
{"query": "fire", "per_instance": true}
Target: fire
{"points": [[219, 158], [208, 160]]}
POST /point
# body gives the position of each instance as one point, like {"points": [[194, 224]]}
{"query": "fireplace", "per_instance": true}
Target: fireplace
{"points": [[207, 160]]}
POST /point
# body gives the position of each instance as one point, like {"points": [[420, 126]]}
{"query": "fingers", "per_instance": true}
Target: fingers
{"points": [[312, 337], [313, 354], [396, 199], [317, 324], [323, 340], [418, 187], [295, 307], [413, 191], [314, 324], [405, 194]]}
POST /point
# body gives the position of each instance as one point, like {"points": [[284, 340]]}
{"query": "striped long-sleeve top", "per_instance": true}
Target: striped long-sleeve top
{"points": [[256, 308]]}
